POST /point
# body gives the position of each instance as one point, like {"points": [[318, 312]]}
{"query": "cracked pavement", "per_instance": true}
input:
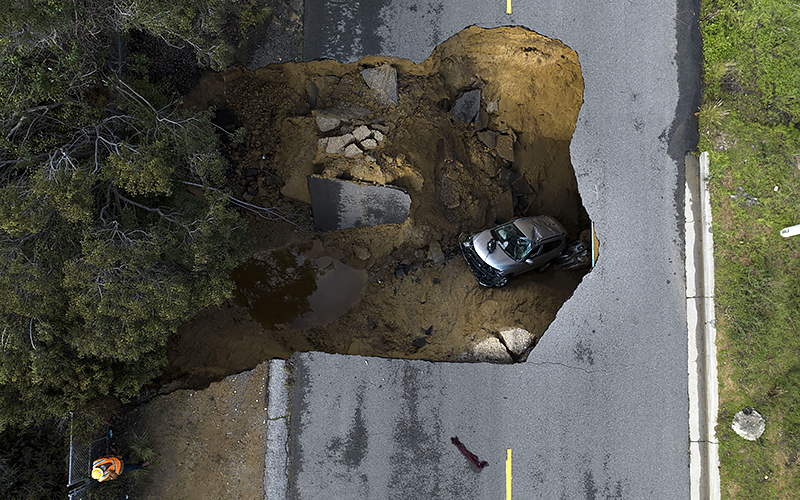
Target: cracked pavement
{"points": [[599, 410]]}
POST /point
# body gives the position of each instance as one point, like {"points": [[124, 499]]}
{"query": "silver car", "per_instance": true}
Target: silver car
{"points": [[521, 245]]}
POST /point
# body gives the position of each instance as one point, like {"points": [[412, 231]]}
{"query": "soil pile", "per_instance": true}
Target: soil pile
{"points": [[420, 300]]}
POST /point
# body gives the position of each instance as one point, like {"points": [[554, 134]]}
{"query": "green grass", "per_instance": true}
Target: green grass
{"points": [[749, 124]]}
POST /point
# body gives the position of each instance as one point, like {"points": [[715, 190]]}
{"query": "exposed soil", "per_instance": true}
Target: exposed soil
{"points": [[210, 443], [415, 303], [412, 294]]}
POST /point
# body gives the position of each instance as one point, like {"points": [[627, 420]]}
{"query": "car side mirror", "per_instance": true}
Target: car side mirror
{"points": [[491, 245], [529, 261]]}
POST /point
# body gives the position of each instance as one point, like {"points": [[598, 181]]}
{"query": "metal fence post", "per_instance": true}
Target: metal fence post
{"points": [[81, 456]]}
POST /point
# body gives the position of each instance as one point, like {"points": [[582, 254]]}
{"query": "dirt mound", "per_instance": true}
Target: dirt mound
{"points": [[420, 299]]}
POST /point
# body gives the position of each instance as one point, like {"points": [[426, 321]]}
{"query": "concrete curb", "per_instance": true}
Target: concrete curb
{"points": [[703, 395], [277, 434]]}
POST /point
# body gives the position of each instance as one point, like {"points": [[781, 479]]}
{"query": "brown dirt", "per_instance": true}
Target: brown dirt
{"points": [[211, 443], [415, 304], [538, 87]]}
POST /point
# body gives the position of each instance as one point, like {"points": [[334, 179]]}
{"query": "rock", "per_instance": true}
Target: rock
{"points": [[326, 122], [435, 253], [504, 210], [361, 133], [508, 176], [493, 106], [352, 150], [313, 92], [377, 135], [369, 144], [467, 106], [450, 193], [322, 144], [505, 147], [488, 137], [337, 144], [481, 120], [380, 127], [361, 253], [517, 340], [749, 424], [521, 187], [383, 80], [419, 342], [488, 350]]}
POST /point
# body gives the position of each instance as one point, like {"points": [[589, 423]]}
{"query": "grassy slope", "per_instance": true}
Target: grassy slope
{"points": [[749, 125]]}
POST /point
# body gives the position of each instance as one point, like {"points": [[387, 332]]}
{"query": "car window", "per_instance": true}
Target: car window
{"points": [[550, 246], [512, 241], [544, 249]]}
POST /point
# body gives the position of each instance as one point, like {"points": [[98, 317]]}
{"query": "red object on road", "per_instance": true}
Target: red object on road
{"points": [[470, 456]]}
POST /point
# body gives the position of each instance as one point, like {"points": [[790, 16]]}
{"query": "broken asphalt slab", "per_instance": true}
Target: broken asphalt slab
{"points": [[340, 204]]}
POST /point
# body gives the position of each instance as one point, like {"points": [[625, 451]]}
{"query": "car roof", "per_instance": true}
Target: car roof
{"points": [[539, 227]]}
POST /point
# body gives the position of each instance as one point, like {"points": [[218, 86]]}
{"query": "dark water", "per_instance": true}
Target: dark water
{"points": [[284, 287]]}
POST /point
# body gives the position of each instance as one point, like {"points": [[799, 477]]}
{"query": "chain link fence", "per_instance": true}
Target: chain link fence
{"points": [[81, 456]]}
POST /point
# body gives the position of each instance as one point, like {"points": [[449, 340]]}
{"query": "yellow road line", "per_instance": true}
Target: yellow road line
{"points": [[508, 465], [508, 11]]}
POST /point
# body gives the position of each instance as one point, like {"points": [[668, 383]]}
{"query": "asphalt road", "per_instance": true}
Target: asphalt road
{"points": [[600, 408]]}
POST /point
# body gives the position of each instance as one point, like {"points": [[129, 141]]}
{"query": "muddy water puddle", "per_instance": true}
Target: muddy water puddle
{"points": [[284, 288]]}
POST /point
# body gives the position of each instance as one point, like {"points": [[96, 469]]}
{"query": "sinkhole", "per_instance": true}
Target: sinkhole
{"points": [[476, 135]]}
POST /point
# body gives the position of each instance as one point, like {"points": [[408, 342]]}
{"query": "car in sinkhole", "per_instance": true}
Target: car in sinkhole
{"points": [[518, 246]]}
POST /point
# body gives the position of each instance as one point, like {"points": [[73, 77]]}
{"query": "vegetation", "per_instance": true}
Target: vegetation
{"points": [[114, 223], [252, 16], [30, 465], [749, 124], [198, 23]]}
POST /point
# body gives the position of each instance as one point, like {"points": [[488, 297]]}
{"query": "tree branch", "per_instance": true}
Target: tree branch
{"points": [[271, 213]]}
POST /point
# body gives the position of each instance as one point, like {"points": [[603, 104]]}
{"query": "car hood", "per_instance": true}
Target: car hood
{"points": [[497, 259]]}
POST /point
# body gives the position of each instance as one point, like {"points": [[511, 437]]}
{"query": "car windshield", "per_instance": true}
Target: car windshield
{"points": [[512, 241]]}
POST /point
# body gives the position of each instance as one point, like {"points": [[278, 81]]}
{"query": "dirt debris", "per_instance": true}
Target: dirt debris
{"points": [[211, 443], [420, 300]]}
